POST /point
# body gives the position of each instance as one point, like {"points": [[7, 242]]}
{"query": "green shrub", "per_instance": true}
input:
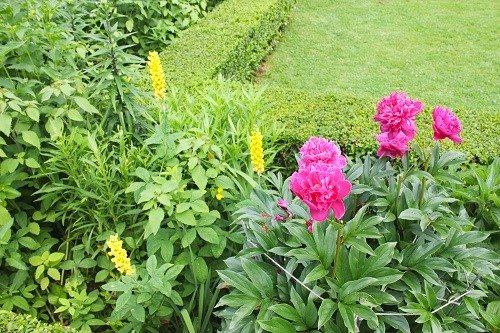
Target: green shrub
{"points": [[349, 122], [17, 323], [232, 40], [404, 257]]}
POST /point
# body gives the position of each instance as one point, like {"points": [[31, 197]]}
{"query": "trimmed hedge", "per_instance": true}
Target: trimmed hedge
{"points": [[11, 322], [349, 121], [231, 40]]}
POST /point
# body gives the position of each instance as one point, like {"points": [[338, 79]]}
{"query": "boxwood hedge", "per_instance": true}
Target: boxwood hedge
{"points": [[231, 40], [349, 121], [11, 322]]}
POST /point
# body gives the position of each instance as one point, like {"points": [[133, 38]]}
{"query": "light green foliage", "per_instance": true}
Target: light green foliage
{"points": [[14, 323], [349, 122], [406, 247], [442, 52], [232, 40], [153, 24]]}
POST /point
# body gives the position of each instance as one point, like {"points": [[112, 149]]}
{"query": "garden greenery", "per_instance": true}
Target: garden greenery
{"points": [[127, 207]]}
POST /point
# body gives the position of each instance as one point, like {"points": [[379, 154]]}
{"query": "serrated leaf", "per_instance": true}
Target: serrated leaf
{"points": [[54, 273], [31, 138], [5, 123], [186, 217]]}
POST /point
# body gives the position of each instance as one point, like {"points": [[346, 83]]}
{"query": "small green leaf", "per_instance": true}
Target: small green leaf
{"points": [[54, 273], [101, 275], [85, 105], [74, 115], [129, 25], [412, 214], [156, 217], [44, 283], [348, 317], [199, 177], [200, 269], [186, 217], [56, 257], [5, 123], [287, 311], [138, 313], [208, 234], [317, 273], [32, 163], [31, 138]]}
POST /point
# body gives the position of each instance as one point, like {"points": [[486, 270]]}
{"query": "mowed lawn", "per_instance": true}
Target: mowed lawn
{"points": [[440, 51]]}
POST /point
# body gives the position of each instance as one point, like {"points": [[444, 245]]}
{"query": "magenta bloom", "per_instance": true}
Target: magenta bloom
{"points": [[282, 203], [317, 150], [321, 187], [392, 145], [397, 112], [446, 125]]}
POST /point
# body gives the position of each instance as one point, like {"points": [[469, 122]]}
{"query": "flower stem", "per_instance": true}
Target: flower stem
{"points": [[337, 250]]}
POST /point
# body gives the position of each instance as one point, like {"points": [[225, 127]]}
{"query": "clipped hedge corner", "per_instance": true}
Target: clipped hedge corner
{"points": [[349, 121], [232, 41], [11, 322]]}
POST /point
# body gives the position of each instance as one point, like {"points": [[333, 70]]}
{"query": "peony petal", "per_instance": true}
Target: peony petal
{"points": [[344, 188], [339, 209], [319, 215]]}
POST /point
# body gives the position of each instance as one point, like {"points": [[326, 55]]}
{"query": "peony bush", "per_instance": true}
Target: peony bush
{"points": [[397, 250]]}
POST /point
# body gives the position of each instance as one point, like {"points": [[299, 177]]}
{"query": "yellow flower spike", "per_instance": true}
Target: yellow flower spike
{"points": [[157, 75], [256, 151], [218, 194], [119, 254]]}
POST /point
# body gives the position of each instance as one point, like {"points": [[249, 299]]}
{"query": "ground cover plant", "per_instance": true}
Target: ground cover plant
{"points": [[442, 51]]}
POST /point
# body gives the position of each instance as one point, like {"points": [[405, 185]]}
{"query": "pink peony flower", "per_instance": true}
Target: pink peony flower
{"points": [[397, 112], [317, 150], [392, 145], [321, 187], [446, 125]]}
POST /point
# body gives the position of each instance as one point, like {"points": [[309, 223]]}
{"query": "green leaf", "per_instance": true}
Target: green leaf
{"points": [[29, 243], [129, 25], [348, 317], [155, 218], [199, 177], [16, 263], [101, 275], [187, 321], [186, 217], [239, 282], [116, 286], [44, 283], [4, 215], [31, 138], [56, 257], [398, 322], [277, 325], [39, 271], [492, 314], [360, 244], [5, 123], [200, 206], [54, 127], [85, 105], [411, 214], [200, 269], [317, 273], [258, 276], [188, 237], [325, 312], [32, 163], [287, 311], [354, 286], [74, 115], [54, 273], [209, 235], [138, 313], [33, 113]]}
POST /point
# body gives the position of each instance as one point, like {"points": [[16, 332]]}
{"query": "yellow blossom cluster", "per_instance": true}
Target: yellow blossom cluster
{"points": [[157, 75], [218, 194], [120, 259], [256, 151]]}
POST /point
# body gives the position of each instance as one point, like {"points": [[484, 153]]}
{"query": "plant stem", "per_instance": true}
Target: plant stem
{"points": [[337, 250], [422, 190]]}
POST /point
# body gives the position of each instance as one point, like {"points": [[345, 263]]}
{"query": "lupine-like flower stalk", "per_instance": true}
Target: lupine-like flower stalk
{"points": [[120, 259], [256, 151], [157, 75]]}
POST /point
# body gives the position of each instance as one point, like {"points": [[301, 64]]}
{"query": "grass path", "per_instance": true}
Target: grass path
{"points": [[441, 51]]}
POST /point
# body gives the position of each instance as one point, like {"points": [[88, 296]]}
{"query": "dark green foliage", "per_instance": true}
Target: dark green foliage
{"points": [[232, 41], [349, 121], [16, 323]]}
